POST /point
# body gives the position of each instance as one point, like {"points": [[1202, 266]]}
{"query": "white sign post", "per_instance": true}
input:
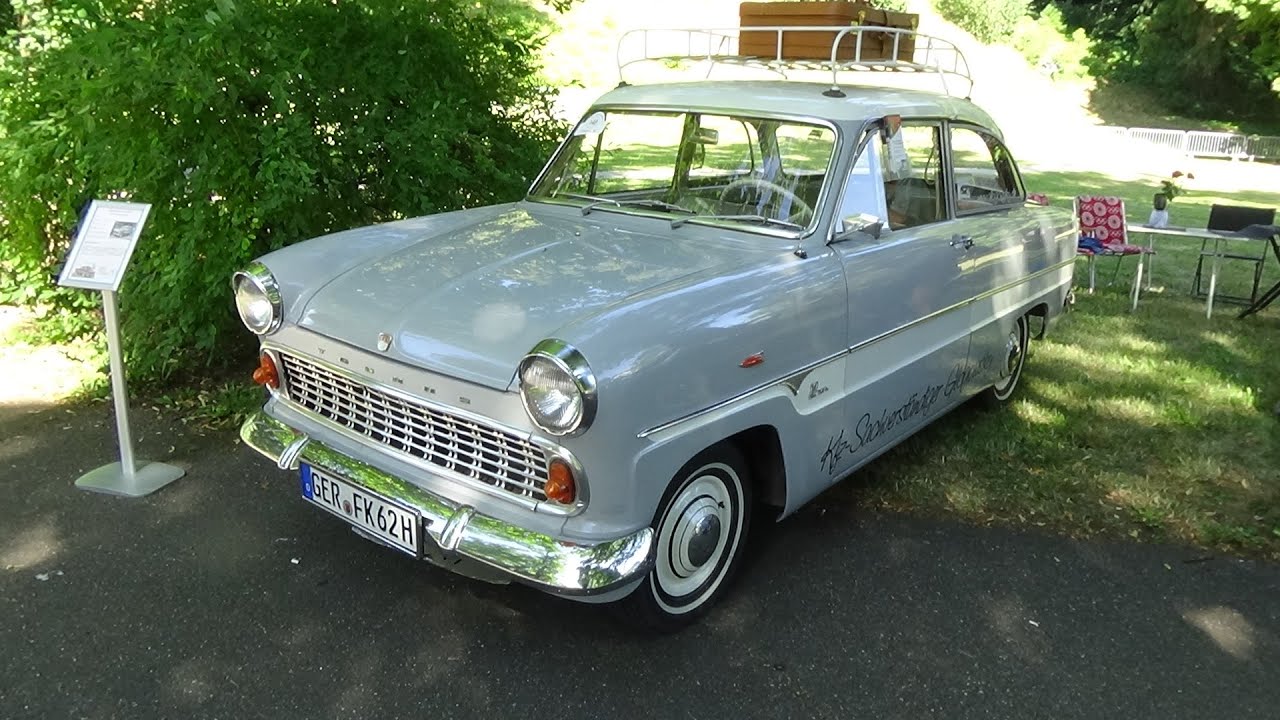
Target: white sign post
{"points": [[99, 255]]}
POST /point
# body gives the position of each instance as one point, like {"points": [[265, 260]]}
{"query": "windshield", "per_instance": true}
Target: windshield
{"points": [[756, 173]]}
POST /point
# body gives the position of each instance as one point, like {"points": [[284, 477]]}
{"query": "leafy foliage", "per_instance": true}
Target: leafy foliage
{"points": [[1211, 58], [987, 20], [250, 124], [1045, 41]]}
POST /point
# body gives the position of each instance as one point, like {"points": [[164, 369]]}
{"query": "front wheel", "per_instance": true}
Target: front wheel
{"points": [[700, 532], [1011, 373]]}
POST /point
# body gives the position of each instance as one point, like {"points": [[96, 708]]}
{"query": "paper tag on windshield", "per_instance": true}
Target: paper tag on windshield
{"points": [[899, 163], [592, 125]]}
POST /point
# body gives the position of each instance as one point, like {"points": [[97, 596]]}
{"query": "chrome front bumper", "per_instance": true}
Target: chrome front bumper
{"points": [[458, 531]]}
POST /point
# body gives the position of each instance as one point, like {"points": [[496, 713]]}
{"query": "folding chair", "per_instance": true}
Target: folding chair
{"points": [[1233, 218], [1102, 219], [1271, 235]]}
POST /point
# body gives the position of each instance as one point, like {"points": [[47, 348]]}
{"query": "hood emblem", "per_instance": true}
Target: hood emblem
{"points": [[384, 342]]}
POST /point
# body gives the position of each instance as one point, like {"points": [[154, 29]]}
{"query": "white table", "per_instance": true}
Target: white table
{"points": [[1219, 238]]}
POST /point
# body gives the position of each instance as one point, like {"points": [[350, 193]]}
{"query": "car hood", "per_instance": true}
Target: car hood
{"points": [[471, 302]]}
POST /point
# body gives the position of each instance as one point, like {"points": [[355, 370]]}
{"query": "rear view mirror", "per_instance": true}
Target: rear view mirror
{"points": [[707, 136]]}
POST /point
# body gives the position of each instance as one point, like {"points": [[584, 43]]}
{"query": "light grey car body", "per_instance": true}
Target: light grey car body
{"points": [[857, 340]]}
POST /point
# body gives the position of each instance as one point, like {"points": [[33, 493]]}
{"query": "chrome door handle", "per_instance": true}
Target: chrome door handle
{"points": [[963, 242]]}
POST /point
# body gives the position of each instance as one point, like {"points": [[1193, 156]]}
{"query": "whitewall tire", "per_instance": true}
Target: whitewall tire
{"points": [[1015, 358], [700, 536]]}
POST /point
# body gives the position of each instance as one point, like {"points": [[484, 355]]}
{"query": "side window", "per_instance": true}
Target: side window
{"points": [[985, 176], [911, 160]]}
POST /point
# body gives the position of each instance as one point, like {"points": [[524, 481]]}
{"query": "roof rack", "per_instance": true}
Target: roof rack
{"points": [[779, 49]]}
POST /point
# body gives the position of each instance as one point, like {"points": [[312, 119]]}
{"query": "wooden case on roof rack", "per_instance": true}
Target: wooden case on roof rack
{"points": [[816, 45]]}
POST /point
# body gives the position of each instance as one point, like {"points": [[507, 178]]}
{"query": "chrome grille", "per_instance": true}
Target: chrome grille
{"points": [[460, 445]]}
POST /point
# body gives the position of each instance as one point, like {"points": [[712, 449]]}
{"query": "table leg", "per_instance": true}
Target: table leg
{"points": [[1137, 283], [1151, 264], [1213, 275]]}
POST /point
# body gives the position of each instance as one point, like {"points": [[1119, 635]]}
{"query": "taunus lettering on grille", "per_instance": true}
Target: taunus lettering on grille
{"points": [[458, 445]]}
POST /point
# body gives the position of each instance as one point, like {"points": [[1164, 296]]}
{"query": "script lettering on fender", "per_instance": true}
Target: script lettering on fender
{"points": [[919, 403], [962, 374], [837, 446], [872, 426], [815, 390]]}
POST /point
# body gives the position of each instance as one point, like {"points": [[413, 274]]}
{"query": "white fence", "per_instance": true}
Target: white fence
{"points": [[1204, 143]]}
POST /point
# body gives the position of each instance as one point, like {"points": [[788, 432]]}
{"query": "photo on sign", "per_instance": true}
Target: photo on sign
{"points": [[84, 271], [123, 229]]}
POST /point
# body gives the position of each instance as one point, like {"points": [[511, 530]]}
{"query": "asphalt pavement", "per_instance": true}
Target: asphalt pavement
{"points": [[225, 596]]}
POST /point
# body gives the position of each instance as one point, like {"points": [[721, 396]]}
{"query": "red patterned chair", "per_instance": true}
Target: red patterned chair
{"points": [[1103, 232]]}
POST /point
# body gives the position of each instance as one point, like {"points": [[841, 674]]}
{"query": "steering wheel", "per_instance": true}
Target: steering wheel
{"points": [[798, 207]]}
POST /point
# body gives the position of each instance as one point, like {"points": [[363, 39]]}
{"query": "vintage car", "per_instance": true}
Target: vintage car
{"points": [[718, 298]]}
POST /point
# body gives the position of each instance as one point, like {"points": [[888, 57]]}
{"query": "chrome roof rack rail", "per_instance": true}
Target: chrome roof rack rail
{"points": [[855, 48]]}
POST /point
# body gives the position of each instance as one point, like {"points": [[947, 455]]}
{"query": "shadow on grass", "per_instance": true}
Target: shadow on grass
{"points": [[1156, 424]]}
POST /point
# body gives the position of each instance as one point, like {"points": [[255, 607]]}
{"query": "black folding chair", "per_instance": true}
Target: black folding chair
{"points": [[1234, 218], [1270, 233]]}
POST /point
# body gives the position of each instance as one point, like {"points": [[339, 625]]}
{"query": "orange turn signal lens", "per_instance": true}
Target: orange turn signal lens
{"points": [[266, 373], [560, 486]]}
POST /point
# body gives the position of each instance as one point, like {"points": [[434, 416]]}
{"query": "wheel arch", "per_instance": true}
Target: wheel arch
{"points": [[762, 448], [1040, 310]]}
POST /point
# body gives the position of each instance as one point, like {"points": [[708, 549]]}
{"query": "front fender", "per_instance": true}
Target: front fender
{"points": [[676, 353]]}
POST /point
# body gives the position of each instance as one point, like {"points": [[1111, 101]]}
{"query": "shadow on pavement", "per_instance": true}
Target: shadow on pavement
{"points": [[225, 595]]}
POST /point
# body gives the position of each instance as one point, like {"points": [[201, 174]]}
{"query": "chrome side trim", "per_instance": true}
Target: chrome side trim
{"points": [[541, 561], [793, 379], [963, 303], [1016, 283], [789, 380]]}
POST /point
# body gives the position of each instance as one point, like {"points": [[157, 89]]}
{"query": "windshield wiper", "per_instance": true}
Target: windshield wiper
{"points": [[641, 203], [758, 219]]}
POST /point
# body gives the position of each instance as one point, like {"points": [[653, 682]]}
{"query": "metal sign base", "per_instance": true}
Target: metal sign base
{"points": [[113, 480], [125, 477]]}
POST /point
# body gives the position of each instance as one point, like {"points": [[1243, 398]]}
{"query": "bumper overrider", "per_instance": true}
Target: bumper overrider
{"points": [[453, 531]]}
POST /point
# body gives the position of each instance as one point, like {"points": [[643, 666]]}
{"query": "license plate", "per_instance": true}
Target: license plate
{"points": [[386, 520]]}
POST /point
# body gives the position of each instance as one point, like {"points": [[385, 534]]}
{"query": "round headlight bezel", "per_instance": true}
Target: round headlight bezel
{"points": [[258, 278], [568, 360]]}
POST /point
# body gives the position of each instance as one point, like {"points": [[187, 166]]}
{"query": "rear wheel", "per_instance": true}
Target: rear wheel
{"points": [[700, 533], [1014, 358]]}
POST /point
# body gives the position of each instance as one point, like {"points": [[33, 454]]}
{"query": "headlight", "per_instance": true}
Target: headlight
{"points": [[557, 387], [258, 298]]}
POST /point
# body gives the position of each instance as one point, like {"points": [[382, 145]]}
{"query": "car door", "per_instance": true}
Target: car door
{"points": [[1005, 246], [908, 321]]}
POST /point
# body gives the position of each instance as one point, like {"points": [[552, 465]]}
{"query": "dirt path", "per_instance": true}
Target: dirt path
{"points": [[34, 376]]}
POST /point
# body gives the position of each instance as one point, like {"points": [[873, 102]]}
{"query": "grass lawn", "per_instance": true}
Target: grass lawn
{"points": [[1157, 424]]}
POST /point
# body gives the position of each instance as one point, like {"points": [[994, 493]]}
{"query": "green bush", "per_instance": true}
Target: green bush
{"points": [[249, 124], [990, 21]]}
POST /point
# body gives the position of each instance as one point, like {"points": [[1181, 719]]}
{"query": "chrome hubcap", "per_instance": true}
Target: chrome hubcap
{"points": [[694, 536], [1014, 348], [699, 536]]}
